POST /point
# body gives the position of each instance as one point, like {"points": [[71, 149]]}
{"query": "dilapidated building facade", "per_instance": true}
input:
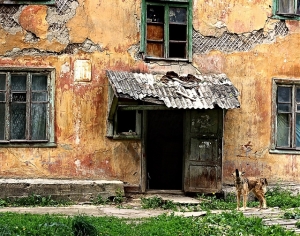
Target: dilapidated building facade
{"points": [[155, 94]]}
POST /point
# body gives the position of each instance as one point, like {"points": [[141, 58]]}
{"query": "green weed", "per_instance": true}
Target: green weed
{"points": [[100, 200], [157, 202], [119, 198], [32, 200], [283, 198]]}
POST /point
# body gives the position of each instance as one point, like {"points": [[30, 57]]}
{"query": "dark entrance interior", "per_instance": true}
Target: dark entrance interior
{"points": [[164, 147]]}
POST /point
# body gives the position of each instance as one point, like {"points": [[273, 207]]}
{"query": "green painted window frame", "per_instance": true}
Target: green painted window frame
{"points": [[291, 148], [276, 15], [6, 100], [172, 3], [32, 2]]}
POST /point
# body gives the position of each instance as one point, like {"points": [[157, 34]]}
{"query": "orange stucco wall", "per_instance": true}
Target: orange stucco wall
{"points": [[113, 26]]}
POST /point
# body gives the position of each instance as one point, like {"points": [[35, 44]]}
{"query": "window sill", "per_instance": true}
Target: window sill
{"points": [[165, 59], [28, 145], [282, 151], [127, 137], [279, 17]]}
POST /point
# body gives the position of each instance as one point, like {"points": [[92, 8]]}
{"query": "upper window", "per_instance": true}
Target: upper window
{"points": [[286, 106], [26, 107], [287, 9], [166, 30]]}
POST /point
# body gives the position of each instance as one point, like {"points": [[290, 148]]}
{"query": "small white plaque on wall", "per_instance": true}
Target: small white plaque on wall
{"points": [[82, 71]]}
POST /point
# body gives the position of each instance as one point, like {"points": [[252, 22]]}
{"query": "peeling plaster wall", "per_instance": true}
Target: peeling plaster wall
{"points": [[107, 33]]}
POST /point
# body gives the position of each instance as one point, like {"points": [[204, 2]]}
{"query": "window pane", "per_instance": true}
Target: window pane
{"points": [[284, 94], [18, 121], [284, 107], [155, 13], [298, 93], [2, 81], [2, 121], [2, 97], [177, 50], [283, 130], [126, 121], [18, 82], [177, 14], [298, 7], [19, 97], [286, 6], [39, 82], [155, 32], [298, 130], [155, 49], [178, 32], [38, 122], [39, 97]]}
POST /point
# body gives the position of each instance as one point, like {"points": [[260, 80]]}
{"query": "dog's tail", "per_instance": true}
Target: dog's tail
{"points": [[237, 174]]}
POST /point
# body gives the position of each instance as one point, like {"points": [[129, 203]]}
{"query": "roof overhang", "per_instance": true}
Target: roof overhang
{"points": [[173, 91]]}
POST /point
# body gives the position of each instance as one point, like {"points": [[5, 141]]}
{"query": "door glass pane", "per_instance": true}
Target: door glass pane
{"points": [[2, 121], [286, 6], [177, 15], [18, 82], [155, 13], [39, 82], [283, 130], [38, 122], [18, 121], [284, 94], [298, 130], [2, 82]]}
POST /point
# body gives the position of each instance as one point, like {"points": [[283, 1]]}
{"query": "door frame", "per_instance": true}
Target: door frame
{"points": [[143, 179]]}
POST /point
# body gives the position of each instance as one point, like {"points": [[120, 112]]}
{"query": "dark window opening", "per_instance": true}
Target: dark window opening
{"points": [[126, 123]]}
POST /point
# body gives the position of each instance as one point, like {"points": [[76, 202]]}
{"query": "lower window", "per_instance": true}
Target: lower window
{"points": [[287, 117], [26, 106]]}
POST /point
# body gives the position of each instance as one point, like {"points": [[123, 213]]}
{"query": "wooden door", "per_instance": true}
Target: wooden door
{"points": [[203, 151]]}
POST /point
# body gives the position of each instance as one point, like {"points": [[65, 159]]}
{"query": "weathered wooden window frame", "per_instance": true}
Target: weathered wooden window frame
{"points": [[49, 141], [292, 83], [283, 15], [32, 2], [172, 3]]}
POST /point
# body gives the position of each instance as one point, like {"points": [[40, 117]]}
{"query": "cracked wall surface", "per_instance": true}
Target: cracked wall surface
{"points": [[237, 37]]}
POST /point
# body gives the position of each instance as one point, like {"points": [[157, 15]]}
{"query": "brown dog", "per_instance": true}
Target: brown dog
{"points": [[245, 185]]}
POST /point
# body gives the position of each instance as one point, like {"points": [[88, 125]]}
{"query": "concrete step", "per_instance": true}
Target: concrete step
{"points": [[61, 189]]}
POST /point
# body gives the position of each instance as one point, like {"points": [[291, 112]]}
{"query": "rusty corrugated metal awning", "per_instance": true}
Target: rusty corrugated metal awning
{"points": [[182, 92]]}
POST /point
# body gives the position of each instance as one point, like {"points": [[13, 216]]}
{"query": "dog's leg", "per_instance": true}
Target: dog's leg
{"points": [[238, 199], [245, 199]]}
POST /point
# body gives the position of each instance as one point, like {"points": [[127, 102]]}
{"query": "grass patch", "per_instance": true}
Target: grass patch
{"points": [[158, 202], [282, 198], [232, 223]]}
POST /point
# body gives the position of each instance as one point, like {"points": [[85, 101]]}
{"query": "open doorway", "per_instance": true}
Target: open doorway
{"points": [[164, 150]]}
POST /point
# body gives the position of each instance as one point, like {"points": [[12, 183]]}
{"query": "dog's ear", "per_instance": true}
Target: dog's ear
{"points": [[264, 181], [243, 173]]}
